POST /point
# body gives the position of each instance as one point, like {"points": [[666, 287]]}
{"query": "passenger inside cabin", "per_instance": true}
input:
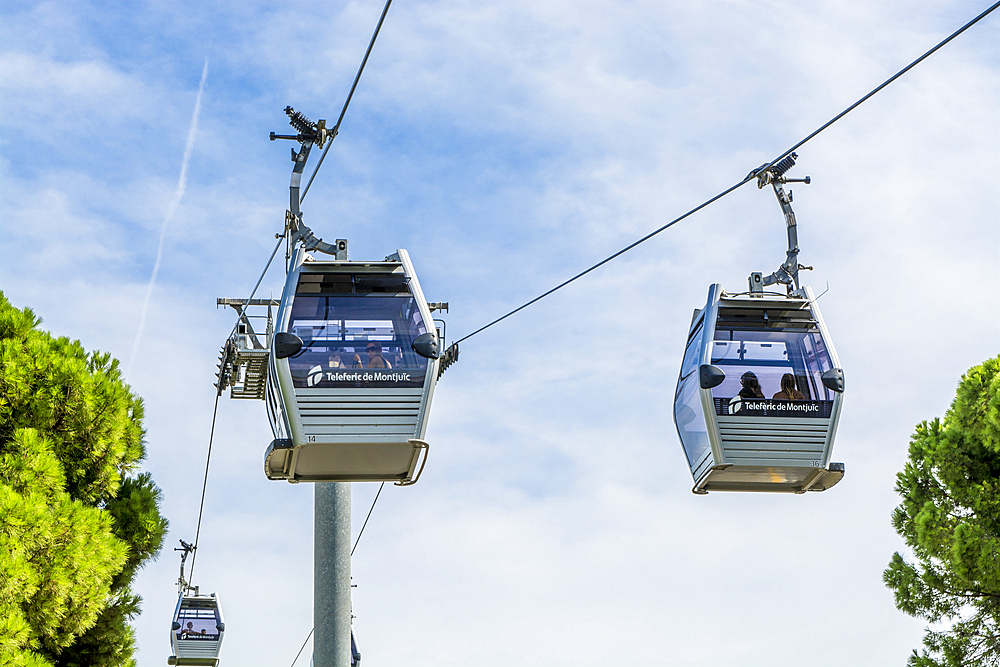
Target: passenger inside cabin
{"points": [[751, 387], [375, 358], [788, 391]]}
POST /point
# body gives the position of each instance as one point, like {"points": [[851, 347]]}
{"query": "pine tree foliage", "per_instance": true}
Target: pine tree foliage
{"points": [[59, 555], [950, 519], [77, 520]]}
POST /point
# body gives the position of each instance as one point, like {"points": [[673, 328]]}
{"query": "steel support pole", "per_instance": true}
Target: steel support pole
{"points": [[332, 575]]}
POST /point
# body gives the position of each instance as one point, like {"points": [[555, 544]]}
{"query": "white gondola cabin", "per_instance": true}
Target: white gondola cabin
{"points": [[759, 394], [352, 372], [196, 632]]}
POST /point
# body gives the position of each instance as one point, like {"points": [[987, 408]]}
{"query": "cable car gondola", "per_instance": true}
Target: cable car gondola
{"points": [[196, 633], [354, 359], [353, 370], [760, 388], [197, 628]]}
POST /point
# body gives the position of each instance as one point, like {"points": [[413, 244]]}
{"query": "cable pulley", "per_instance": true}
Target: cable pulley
{"points": [[225, 376]]}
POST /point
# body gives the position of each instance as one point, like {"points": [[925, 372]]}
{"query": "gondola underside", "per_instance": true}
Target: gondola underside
{"points": [[369, 432], [772, 454]]}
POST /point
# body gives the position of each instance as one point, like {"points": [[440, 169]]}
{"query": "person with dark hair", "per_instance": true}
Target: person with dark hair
{"points": [[788, 391], [375, 358], [751, 387]]}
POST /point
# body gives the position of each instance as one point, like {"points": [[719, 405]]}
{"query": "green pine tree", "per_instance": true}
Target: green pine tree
{"points": [[950, 519], [77, 519]]}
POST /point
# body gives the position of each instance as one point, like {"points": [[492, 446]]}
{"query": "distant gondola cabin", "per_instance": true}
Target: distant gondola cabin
{"points": [[197, 630], [759, 395]]}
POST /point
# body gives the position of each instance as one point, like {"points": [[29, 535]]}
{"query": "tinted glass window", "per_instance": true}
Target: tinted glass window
{"points": [[197, 623], [351, 340], [352, 283], [690, 363], [690, 420], [758, 362], [772, 319]]}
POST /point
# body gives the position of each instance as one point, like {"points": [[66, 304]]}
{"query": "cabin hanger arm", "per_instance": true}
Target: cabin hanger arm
{"points": [[788, 273], [309, 133]]}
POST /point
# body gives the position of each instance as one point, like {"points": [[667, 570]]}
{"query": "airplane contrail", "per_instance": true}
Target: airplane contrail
{"points": [[171, 210]]}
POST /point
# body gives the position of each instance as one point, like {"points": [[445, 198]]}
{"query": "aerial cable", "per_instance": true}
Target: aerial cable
{"points": [[215, 412], [890, 80], [763, 169], [204, 486], [336, 128], [260, 280], [303, 647], [360, 532], [608, 259], [266, 266]]}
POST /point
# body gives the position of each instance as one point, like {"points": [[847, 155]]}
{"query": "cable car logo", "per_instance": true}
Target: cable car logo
{"points": [[315, 376], [752, 407]]}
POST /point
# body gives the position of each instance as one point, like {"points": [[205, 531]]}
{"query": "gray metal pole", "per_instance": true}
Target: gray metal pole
{"points": [[332, 575]]}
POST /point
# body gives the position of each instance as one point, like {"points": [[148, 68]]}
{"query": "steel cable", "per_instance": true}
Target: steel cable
{"points": [[361, 532], [336, 128], [259, 280], [204, 486], [303, 647], [215, 412], [746, 180]]}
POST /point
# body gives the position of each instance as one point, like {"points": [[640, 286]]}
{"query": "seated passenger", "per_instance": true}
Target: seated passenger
{"points": [[788, 391], [751, 387], [375, 359]]}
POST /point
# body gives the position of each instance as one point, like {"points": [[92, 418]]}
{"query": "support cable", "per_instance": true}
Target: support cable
{"points": [[360, 532], [215, 413], [608, 259], [336, 128], [751, 176], [303, 647], [204, 486], [890, 80], [260, 280]]}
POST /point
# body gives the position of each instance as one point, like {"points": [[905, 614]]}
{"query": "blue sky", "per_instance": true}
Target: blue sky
{"points": [[508, 146]]}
